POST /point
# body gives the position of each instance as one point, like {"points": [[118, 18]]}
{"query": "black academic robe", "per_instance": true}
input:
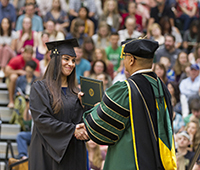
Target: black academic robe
{"points": [[53, 145]]}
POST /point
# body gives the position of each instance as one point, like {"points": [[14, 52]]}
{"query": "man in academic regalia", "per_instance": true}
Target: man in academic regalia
{"points": [[135, 116]]}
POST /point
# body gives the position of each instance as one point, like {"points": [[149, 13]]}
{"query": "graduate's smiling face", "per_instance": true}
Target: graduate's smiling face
{"points": [[68, 64]]}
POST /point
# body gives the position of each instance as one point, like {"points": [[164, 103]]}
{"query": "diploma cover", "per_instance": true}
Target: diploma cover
{"points": [[92, 89]]}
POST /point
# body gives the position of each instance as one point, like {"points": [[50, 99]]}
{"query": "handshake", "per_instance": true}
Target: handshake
{"points": [[80, 132]]}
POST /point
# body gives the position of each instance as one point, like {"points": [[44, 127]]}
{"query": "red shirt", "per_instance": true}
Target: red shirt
{"points": [[18, 63]]}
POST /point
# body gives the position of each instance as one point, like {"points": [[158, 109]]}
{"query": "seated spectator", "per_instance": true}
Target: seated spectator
{"points": [[168, 50], [186, 12], [178, 122], [195, 109], [156, 35], [170, 72], [113, 53], [54, 35], [190, 36], [15, 68], [8, 39], [189, 87], [104, 78], [57, 15], [111, 15], [160, 11], [26, 36], [96, 156], [37, 24], [193, 129], [88, 48], [44, 62], [22, 92], [129, 32], [99, 67], [24, 138], [42, 48], [183, 140], [175, 93], [194, 57], [167, 28], [101, 39], [180, 64], [89, 25], [7, 10], [100, 54], [78, 31], [82, 65], [160, 70], [132, 8], [186, 72]]}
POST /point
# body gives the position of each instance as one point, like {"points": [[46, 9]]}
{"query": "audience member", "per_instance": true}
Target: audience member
{"points": [[54, 35], [26, 36], [101, 39], [180, 64], [100, 54], [82, 65], [44, 62], [178, 122], [15, 68], [111, 15], [169, 71], [160, 70], [186, 12], [175, 93], [37, 24], [88, 48], [183, 140], [104, 78], [129, 32], [22, 92], [78, 31], [57, 15], [7, 10], [189, 87], [193, 130], [98, 67], [190, 36], [83, 14], [194, 57], [113, 52], [156, 34], [8, 39], [159, 11], [42, 48], [195, 109], [167, 28], [132, 8], [96, 156], [168, 50]]}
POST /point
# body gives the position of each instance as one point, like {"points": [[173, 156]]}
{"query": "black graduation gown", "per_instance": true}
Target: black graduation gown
{"points": [[53, 145]]}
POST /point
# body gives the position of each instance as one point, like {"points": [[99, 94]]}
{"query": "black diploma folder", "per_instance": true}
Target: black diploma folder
{"points": [[92, 89]]}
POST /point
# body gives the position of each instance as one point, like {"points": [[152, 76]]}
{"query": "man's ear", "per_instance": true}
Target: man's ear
{"points": [[132, 60]]}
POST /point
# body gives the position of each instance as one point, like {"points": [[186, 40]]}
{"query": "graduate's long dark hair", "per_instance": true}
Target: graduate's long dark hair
{"points": [[54, 86]]}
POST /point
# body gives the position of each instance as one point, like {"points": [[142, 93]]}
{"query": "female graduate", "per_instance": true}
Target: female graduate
{"points": [[57, 113]]}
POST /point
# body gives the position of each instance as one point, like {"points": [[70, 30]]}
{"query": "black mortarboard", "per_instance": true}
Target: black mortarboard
{"points": [[59, 48], [140, 47]]}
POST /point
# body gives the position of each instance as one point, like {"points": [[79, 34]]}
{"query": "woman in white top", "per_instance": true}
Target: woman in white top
{"points": [[7, 44]]}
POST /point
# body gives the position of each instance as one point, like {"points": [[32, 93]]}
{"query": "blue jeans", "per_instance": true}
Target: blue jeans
{"points": [[186, 21], [23, 141]]}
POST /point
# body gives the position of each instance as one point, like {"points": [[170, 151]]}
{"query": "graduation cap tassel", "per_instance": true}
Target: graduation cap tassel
{"points": [[56, 53]]}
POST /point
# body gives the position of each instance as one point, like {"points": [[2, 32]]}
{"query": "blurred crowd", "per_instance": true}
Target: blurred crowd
{"points": [[100, 26]]}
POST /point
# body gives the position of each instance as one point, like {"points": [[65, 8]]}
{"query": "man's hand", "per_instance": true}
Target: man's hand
{"points": [[80, 132], [80, 95]]}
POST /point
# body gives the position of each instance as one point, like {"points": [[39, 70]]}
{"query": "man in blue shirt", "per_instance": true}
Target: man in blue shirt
{"points": [[82, 65], [7, 10], [37, 24]]}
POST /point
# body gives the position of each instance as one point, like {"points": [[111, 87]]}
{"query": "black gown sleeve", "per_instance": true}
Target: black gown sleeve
{"points": [[54, 134]]}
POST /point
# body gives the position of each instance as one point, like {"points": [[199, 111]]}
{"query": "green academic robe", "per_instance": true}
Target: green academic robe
{"points": [[135, 120]]}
